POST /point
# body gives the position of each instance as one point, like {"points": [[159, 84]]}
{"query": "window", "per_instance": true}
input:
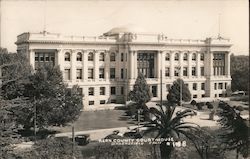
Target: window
{"points": [[91, 102], [101, 73], [122, 73], [122, 90], [176, 56], [194, 86], [202, 71], [220, 85], [79, 90], [202, 57], [67, 56], [101, 56], [203, 95], [225, 85], [202, 86], [46, 57], [67, 74], [176, 71], [79, 74], [37, 57], [220, 95], [112, 73], [168, 86], [91, 91], [185, 71], [167, 57], [102, 101], [122, 56], [90, 73], [91, 56], [194, 57], [215, 86], [112, 90], [195, 96], [185, 57], [41, 57], [112, 56], [102, 90], [167, 71], [79, 56], [113, 101], [193, 71], [154, 91]]}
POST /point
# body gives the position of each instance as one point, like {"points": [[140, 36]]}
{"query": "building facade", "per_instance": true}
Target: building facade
{"points": [[105, 67]]}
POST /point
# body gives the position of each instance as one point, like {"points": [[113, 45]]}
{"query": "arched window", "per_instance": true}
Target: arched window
{"points": [[167, 57], [101, 56], [185, 57], [112, 56], [202, 57], [193, 56], [176, 56], [67, 56], [91, 56], [79, 56]]}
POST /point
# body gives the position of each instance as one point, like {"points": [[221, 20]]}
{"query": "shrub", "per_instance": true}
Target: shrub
{"points": [[193, 102], [199, 106]]}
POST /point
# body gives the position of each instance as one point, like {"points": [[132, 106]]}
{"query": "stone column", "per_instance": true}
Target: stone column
{"points": [[159, 53], [135, 64], [227, 64], [163, 53], [107, 65], [180, 64], [131, 66], [73, 65], [198, 65], [118, 65], [32, 58], [96, 65], [172, 64], [85, 65], [60, 59], [189, 64]]}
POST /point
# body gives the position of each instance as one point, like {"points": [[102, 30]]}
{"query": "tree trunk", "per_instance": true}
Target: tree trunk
{"points": [[166, 150], [237, 154]]}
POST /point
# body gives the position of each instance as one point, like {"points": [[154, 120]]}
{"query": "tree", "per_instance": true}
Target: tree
{"points": [[50, 102], [140, 95], [235, 130], [174, 92], [166, 125]]}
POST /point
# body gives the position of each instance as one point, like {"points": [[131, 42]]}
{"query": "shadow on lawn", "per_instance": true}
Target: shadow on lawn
{"points": [[41, 134]]}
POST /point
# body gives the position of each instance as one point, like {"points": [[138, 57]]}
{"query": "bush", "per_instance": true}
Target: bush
{"points": [[209, 105], [193, 102], [199, 106]]}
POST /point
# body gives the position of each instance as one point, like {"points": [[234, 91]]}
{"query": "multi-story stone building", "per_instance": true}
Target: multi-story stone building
{"points": [[105, 67]]}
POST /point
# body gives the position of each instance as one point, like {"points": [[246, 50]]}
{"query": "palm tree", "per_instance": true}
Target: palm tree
{"points": [[166, 125], [235, 135]]}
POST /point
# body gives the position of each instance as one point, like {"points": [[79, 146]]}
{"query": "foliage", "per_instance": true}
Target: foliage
{"points": [[174, 92], [50, 99], [166, 125], [141, 92], [235, 130], [240, 73]]}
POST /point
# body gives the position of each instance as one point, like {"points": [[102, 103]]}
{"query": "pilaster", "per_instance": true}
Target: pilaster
{"points": [[189, 64], [198, 65], [172, 64], [107, 65], [96, 65], [73, 65], [85, 65]]}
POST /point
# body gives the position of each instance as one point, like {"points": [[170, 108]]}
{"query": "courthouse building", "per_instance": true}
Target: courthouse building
{"points": [[105, 67]]}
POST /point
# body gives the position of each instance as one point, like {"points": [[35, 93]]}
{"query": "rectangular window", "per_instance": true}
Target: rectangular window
{"points": [[112, 73], [176, 71], [202, 86], [202, 71], [90, 73], [185, 73], [122, 90], [91, 102], [67, 74], [154, 91], [46, 57], [36, 57], [102, 90], [203, 95], [194, 86], [225, 85], [112, 90], [167, 71], [215, 86], [195, 96], [91, 91], [41, 56], [79, 74], [102, 101], [122, 56], [79, 90], [122, 73], [220, 85], [101, 73], [220, 95], [193, 71]]}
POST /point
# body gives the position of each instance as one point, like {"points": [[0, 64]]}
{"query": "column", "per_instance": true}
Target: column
{"points": [[189, 64], [107, 65], [73, 65], [32, 58], [198, 65], [85, 65], [227, 64], [211, 67], [60, 59], [118, 65], [96, 65], [159, 64], [172, 64], [180, 64], [135, 64], [131, 62], [163, 53]]}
